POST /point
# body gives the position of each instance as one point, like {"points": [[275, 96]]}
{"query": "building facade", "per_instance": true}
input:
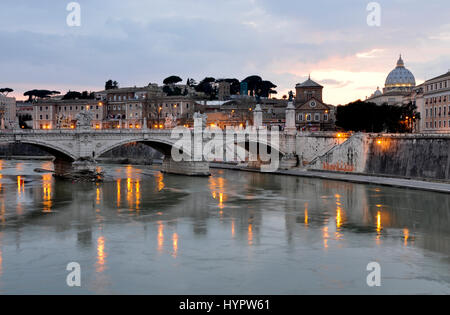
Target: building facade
{"points": [[7, 112], [62, 114], [436, 94], [312, 114]]}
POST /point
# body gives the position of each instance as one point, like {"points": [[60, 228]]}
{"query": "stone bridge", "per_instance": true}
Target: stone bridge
{"points": [[73, 149]]}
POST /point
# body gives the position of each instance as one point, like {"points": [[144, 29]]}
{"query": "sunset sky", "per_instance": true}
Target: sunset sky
{"points": [[137, 42]]}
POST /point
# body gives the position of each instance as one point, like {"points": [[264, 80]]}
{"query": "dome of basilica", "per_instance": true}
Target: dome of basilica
{"points": [[400, 78]]}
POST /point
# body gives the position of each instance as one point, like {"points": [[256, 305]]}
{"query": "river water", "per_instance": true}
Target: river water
{"points": [[144, 232]]}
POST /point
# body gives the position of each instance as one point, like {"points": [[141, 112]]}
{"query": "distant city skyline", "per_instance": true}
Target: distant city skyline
{"points": [[137, 43]]}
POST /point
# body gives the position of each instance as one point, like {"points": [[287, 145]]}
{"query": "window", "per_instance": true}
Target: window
{"points": [[46, 116], [300, 117], [308, 117], [325, 117], [316, 117], [40, 117]]}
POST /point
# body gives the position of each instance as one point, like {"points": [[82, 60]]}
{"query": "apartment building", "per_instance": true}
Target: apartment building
{"points": [[61, 114], [437, 104]]}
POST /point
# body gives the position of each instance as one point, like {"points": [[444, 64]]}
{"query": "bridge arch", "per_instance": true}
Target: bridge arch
{"points": [[246, 145], [59, 152], [162, 146]]}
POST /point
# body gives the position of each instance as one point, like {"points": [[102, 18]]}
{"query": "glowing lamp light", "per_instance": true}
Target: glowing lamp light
{"points": [[161, 127]]}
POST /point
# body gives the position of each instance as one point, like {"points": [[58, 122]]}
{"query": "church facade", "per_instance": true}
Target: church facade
{"points": [[312, 114]]}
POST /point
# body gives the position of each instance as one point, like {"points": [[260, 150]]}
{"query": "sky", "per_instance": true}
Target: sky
{"points": [[137, 42]]}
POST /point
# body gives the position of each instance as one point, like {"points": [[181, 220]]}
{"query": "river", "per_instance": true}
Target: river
{"points": [[144, 232]]}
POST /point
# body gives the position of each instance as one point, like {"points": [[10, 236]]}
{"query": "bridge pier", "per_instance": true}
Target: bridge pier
{"points": [[62, 167], [188, 168], [81, 169], [288, 162]]}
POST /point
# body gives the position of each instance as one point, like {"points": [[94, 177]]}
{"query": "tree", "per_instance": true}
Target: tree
{"points": [[73, 95], [265, 88], [172, 91], [172, 80], [111, 85], [191, 82], [370, 117], [39, 94], [253, 83], [6, 91], [205, 86]]}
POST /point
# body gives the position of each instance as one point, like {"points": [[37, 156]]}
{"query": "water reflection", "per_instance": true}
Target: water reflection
{"points": [[160, 236], [101, 255], [218, 191], [160, 181], [119, 193], [275, 218], [175, 244], [47, 181]]}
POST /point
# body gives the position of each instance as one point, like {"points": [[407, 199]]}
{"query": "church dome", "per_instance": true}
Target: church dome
{"points": [[400, 77], [377, 92]]}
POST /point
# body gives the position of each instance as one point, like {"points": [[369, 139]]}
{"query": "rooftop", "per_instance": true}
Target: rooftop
{"points": [[309, 83], [440, 77]]}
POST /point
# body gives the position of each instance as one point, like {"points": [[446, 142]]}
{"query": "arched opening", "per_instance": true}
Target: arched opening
{"points": [[183, 167], [139, 152]]}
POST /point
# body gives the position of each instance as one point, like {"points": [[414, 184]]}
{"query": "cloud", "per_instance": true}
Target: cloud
{"points": [[137, 42]]}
